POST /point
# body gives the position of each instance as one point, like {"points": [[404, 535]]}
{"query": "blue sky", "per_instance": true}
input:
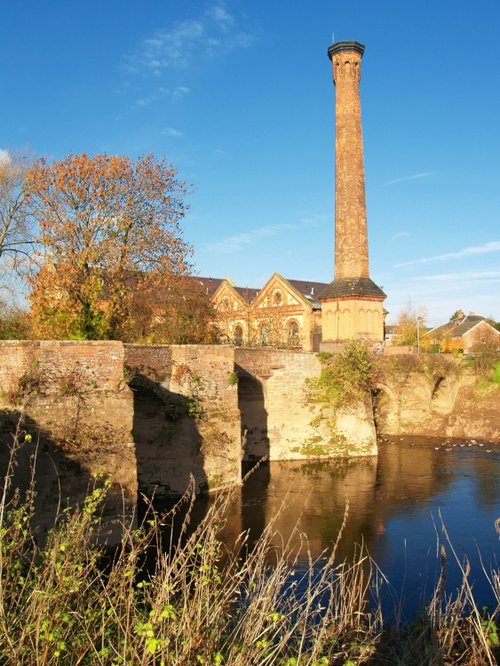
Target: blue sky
{"points": [[238, 94]]}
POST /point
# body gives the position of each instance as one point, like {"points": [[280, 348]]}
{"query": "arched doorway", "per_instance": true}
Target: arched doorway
{"points": [[238, 335], [293, 331]]}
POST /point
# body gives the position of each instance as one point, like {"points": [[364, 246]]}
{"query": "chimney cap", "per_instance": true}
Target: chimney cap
{"points": [[345, 46]]}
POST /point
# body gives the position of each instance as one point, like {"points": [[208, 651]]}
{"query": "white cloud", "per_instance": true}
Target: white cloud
{"points": [[459, 278], [213, 32], [238, 242], [221, 17], [423, 174], [161, 93], [179, 91], [400, 234], [5, 158], [170, 131], [492, 246], [316, 220]]}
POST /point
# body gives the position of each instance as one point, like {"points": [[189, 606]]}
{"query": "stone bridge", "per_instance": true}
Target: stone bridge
{"points": [[154, 417], [151, 417]]}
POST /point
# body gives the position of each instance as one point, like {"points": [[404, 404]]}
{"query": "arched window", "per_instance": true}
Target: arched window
{"points": [[264, 336], [293, 333], [238, 335], [277, 297]]}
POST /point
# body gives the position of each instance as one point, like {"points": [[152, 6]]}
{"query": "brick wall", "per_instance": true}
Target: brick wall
{"points": [[195, 429], [71, 398]]}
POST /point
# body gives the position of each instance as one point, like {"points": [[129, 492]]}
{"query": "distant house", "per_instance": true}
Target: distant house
{"points": [[390, 332], [463, 333]]}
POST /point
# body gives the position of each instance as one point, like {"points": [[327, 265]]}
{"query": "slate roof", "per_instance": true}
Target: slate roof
{"points": [[209, 284], [349, 287], [309, 290], [457, 328], [247, 293]]}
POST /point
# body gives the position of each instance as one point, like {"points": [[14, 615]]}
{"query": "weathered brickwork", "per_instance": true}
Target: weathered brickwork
{"points": [[449, 405], [351, 306], [280, 421], [195, 430], [71, 398], [351, 240], [197, 411]]}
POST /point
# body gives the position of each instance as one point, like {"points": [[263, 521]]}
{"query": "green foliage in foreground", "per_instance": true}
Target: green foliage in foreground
{"points": [[63, 604]]}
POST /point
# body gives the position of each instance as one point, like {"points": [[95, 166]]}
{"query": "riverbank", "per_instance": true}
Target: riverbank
{"points": [[203, 603]]}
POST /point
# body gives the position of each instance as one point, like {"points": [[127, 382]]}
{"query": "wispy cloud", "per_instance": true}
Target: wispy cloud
{"points": [[493, 246], [170, 131], [160, 93], [179, 91], [460, 278], [216, 30], [238, 242], [316, 220], [400, 234], [222, 18], [423, 174]]}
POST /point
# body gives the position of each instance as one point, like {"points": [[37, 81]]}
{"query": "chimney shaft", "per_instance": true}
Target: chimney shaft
{"points": [[351, 239]]}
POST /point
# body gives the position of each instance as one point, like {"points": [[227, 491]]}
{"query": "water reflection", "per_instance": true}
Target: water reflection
{"points": [[394, 502]]}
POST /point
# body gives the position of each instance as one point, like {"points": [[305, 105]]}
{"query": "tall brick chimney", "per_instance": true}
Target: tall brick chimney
{"points": [[352, 304]]}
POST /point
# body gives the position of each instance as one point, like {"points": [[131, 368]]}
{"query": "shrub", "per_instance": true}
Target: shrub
{"points": [[345, 378]]}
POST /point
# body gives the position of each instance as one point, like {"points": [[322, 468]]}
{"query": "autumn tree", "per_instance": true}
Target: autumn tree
{"points": [[14, 322], [410, 326], [16, 222], [178, 313], [110, 231]]}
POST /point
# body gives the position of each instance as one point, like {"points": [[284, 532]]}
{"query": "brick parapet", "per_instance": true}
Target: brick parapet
{"points": [[93, 365]]}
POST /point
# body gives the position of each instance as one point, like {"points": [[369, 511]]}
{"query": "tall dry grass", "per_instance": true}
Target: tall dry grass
{"points": [[183, 599]]}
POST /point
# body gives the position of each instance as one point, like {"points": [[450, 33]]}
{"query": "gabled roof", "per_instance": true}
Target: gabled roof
{"points": [[241, 294], [457, 328], [209, 284], [248, 294], [309, 290], [299, 289]]}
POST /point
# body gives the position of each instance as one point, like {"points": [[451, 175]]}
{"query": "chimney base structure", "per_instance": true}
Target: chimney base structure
{"points": [[351, 305]]}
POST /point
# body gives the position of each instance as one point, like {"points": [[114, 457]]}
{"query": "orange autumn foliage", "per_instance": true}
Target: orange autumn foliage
{"points": [[109, 229]]}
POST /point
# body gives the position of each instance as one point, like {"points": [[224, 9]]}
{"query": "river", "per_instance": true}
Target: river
{"points": [[397, 506]]}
